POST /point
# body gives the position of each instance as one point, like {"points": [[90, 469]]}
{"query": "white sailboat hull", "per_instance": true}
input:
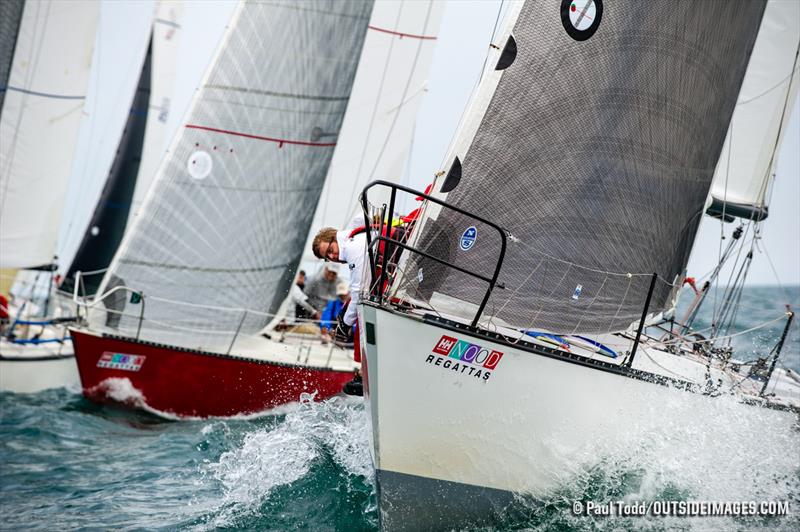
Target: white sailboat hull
{"points": [[453, 442], [26, 368]]}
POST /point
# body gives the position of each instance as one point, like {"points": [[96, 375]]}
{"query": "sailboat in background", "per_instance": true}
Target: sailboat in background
{"points": [[140, 139], [503, 354], [167, 29], [214, 250], [377, 133], [745, 173], [42, 97], [42, 101]]}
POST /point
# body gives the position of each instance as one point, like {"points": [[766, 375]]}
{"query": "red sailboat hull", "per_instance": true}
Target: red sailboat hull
{"points": [[188, 383]]}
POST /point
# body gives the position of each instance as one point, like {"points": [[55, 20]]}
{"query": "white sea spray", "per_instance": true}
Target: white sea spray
{"points": [[286, 452]]}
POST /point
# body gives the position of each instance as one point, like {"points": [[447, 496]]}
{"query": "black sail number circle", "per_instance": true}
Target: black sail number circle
{"points": [[581, 18]]}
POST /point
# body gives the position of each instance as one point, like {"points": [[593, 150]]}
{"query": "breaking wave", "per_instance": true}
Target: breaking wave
{"points": [[286, 452]]}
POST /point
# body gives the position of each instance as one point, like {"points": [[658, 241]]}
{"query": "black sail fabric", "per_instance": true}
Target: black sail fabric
{"points": [[596, 156], [10, 15]]}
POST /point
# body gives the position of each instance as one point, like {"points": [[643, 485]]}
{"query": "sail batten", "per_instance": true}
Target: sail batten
{"points": [[595, 150]]}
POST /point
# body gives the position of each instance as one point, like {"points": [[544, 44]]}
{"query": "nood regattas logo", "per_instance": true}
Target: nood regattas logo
{"points": [[464, 357]]}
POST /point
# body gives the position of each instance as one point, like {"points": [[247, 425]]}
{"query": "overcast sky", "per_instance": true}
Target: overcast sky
{"points": [[462, 42]]}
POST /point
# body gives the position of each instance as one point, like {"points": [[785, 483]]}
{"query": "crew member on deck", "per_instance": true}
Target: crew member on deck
{"points": [[321, 289], [348, 248]]}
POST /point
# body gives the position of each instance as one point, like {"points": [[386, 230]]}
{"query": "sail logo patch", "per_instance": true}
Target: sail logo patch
{"points": [[577, 293], [468, 238], [199, 165], [109, 360], [464, 357], [581, 18]]}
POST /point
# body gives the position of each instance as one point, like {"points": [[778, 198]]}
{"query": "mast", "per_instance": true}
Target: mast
{"points": [[746, 166]]}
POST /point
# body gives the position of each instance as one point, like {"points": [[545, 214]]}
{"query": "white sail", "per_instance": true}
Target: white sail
{"points": [[224, 224], [39, 125], [379, 125], [166, 38], [745, 167]]}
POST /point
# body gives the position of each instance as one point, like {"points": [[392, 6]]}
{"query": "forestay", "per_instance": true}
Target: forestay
{"points": [[769, 90], [593, 143], [41, 113], [226, 220]]}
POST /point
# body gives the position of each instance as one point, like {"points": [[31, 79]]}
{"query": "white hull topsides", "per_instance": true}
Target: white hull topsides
{"points": [[510, 420], [31, 368]]}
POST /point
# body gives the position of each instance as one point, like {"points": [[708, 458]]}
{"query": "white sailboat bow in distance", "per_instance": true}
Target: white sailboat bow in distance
{"points": [[501, 347]]}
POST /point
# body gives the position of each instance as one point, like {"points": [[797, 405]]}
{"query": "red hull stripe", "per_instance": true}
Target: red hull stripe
{"points": [[280, 142], [401, 35]]}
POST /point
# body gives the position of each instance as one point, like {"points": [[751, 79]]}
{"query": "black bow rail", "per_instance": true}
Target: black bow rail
{"points": [[377, 290]]}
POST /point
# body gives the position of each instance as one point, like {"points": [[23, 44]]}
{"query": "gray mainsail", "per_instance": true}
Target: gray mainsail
{"points": [[226, 219], [596, 151]]}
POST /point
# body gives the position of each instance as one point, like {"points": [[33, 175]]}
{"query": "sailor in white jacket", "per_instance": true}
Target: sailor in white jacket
{"points": [[351, 252], [348, 247]]}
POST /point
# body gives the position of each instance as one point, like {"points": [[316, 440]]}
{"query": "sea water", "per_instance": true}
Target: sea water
{"points": [[66, 463]]}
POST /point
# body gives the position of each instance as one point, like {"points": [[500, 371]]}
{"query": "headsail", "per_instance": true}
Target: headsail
{"points": [[166, 37], [376, 135], [593, 143], [107, 225], [39, 123], [769, 89], [226, 220]]}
